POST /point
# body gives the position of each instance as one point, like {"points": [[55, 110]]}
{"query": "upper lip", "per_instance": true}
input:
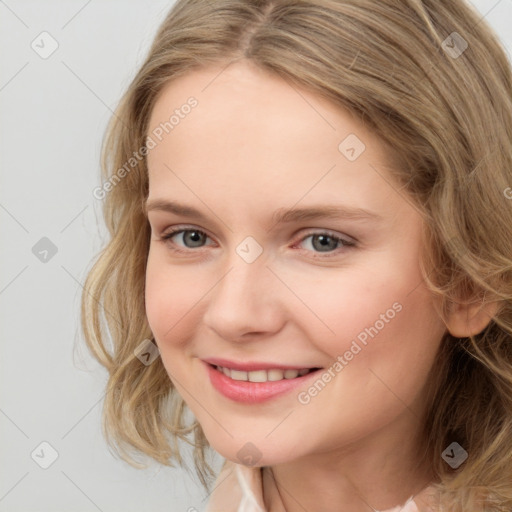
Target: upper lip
{"points": [[250, 366]]}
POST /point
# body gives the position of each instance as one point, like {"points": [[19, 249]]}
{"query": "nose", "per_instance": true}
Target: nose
{"points": [[247, 301]]}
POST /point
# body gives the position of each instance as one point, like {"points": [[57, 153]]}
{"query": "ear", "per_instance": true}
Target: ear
{"points": [[470, 318]]}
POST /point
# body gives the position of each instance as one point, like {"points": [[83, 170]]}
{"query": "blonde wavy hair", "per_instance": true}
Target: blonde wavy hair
{"points": [[444, 109]]}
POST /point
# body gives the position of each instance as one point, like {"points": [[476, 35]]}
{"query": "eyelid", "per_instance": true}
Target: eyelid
{"points": [[174, 230], [346, 241], [349, 240], [310, 231]]}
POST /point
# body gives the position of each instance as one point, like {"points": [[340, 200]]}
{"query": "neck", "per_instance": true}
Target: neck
{"points": [[375, 473]]}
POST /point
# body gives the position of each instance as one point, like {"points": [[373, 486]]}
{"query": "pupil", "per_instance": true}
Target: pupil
{"points": [[194, 237], [324, 244]]}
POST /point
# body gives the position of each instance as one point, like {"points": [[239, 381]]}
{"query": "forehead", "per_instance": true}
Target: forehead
{"points": [[251, 104], [253, 134]]}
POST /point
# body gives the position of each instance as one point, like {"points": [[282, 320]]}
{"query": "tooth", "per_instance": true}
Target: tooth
{"points": [[238, 375], [257, 376], [273, 375], [262, 375]]}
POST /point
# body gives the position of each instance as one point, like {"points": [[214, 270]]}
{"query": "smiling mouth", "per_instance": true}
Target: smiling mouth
{"points": [[270, 375]]}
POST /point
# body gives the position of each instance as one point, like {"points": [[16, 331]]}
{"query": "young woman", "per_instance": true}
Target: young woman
{"points": [[310, 214]]}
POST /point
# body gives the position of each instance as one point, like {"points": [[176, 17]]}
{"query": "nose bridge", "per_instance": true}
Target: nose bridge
{"points": [[244, 282], [248, 271], [244, 300]]}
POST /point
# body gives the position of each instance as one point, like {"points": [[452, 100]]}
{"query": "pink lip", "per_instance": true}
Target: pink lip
{"points": [[252, 365], [252, 392]]}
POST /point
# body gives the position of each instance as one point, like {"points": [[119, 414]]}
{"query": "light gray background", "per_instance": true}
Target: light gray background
{"points": [[53, 115]]}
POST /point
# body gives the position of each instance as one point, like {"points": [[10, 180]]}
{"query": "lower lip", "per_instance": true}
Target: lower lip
{"points": [[253, 392]]}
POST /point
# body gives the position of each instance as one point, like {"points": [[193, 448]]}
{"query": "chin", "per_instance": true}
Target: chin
{"points": [[253, 453]]}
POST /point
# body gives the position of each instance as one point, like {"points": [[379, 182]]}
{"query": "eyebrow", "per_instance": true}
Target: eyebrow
{"points": [[280, 216]]}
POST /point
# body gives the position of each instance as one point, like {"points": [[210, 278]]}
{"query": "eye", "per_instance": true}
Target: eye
{"points": [[317, 242], [326, 242], [190, 238]]}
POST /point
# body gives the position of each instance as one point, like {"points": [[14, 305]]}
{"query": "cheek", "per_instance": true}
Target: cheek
{"points": [[387, 337], [375, 318], [170, 295]]}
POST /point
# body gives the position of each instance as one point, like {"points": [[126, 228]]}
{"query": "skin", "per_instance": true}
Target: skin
{"points": [[253, 145]]}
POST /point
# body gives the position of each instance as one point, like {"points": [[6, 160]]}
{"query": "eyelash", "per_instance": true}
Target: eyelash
{"points": [[344, 243]]}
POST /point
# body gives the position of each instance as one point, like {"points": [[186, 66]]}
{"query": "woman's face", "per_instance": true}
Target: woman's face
{"points": [[300, 252]]}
